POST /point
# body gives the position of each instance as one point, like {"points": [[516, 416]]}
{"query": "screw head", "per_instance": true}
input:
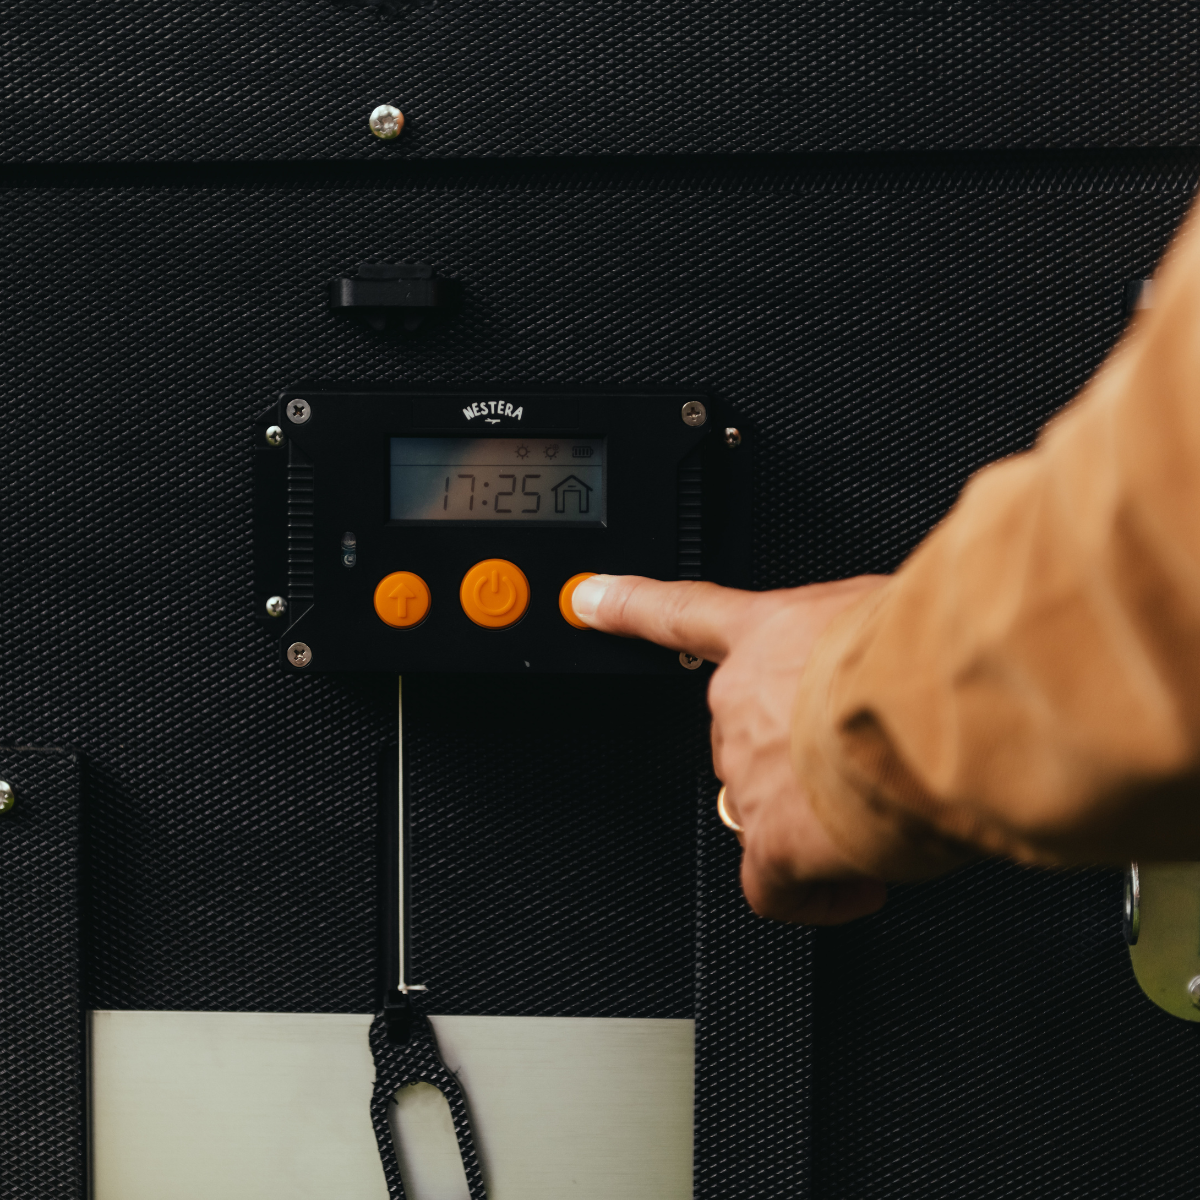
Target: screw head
{"points": [[7, 796], [274, 435], [299, 654], [694, 413], [276, 606], [1193, 990], [690, 661], [298, 411], [386, 121], [733, 437]]}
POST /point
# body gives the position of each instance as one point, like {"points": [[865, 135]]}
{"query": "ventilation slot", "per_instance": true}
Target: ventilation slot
{"points": [[300, 534], [689, 522]]}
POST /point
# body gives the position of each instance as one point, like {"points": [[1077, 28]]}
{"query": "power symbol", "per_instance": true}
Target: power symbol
{"points": [[494, 593], [499, 591]]}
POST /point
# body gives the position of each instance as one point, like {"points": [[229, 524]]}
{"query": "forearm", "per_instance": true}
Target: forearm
{"points": [[1028, 684]]}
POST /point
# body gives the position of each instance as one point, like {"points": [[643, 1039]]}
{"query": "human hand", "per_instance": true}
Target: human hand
{"points": [[791, 869]]}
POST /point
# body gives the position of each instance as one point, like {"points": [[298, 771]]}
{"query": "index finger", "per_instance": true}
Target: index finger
{"points": [[697, 617]]}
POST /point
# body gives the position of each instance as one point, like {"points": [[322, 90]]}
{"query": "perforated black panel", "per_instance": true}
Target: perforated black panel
{"points": [[885, 329], [42, 1063], [754, 1034], [97, 80], [984, 1036], [552, 826]]}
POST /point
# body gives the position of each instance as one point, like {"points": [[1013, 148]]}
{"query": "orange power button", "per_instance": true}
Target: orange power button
{"points": [[494, 593]]}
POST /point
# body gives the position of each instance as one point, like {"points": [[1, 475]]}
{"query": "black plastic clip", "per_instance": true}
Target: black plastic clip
{"points": [[410, 291], [399, 1017]]}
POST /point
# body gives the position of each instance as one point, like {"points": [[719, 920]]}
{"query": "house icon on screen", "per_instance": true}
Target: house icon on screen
{"points": [[583, 494]]}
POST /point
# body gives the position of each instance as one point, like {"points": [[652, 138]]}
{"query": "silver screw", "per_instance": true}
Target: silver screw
{"points": [[387, 121], [274, 435], [276, 606], [690, 661], [7, 796], [299, 654], [1193, 990], [733, 437], [694, 413], [298, 411]]}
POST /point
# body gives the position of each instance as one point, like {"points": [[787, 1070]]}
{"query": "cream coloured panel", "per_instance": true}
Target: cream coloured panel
{"points": [[274, 1106]]}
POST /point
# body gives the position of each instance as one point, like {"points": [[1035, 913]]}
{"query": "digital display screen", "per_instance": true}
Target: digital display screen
{"points": [[557, 481]]}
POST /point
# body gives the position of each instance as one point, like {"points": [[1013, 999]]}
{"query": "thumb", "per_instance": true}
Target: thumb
{"points": [[697, 617]]}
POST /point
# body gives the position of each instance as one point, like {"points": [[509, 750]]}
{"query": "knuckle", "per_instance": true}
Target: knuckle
{"points": [[618, 601], [676, 610], [719, 687], [773, 863]]}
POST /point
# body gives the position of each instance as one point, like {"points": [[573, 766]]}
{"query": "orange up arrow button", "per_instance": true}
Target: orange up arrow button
{"points": [[494, 593], [402, 599]]}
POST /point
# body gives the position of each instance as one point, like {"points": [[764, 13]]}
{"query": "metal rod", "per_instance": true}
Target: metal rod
{"points": [[402, 983]]}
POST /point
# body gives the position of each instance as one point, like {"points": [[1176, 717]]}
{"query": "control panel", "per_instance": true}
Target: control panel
{"points": [[414, 530]]}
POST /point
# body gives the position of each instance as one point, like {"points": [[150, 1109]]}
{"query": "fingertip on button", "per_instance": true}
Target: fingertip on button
{"points": [[567, 595]]}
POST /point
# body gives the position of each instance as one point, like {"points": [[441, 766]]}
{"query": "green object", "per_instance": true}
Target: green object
{"points": [[1166, 955]]}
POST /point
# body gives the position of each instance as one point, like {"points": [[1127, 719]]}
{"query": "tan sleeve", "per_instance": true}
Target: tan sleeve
{"points": [[1028, 683]]}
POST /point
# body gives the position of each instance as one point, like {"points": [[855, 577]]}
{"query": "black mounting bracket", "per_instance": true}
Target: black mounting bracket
{"points": [[409, 291]]}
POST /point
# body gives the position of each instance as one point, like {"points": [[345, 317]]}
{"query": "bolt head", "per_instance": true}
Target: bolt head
{"points": [[1193, 990], [694, 413], [299, 654], [7, 796], [276, 606], [689, 661], [733, 437], [298, 411], [274, 435], [386, 122]]}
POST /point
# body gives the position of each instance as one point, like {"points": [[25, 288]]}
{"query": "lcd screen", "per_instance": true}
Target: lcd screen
{"points": [[551, 481]]}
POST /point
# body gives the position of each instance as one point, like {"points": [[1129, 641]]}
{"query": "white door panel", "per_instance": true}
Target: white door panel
{"points": [[274, 1106]]}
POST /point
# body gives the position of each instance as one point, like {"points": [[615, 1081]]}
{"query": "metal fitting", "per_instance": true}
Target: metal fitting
{"points": [[7, 796], [298, 411], [694, 413], [276, 606], [299, 654], [1131, 916], [1193, 990], [690, 661], [274, 435], [386, 121], [733, 437]]}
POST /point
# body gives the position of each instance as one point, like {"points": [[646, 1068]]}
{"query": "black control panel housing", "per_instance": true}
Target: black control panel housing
{"points": [[677, 505]]}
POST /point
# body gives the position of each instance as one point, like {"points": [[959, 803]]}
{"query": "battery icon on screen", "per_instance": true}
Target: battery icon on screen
{"points": [[582, 451]]}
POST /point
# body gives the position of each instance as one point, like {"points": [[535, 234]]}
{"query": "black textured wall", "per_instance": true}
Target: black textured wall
{"points": [[43, 1066], [112, 80], [886, 329], [895, 236]]}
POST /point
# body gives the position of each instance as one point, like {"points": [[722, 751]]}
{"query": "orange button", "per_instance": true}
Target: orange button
{"points": [[494, 593], [565, 596], [402, 599]]}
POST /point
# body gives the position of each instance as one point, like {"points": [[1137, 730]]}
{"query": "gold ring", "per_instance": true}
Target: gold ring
{"points": [[723, 813]]}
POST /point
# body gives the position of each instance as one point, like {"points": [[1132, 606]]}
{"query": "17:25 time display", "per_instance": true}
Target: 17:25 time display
{"points": [[463, 487]]}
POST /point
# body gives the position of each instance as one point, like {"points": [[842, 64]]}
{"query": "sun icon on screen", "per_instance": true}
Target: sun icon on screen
{"points": [[522, 451], [551, 451]]}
